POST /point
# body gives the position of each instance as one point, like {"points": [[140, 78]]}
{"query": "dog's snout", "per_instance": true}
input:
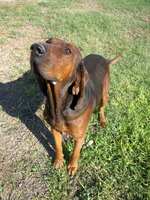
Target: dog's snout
{"points": [[39, 49]]}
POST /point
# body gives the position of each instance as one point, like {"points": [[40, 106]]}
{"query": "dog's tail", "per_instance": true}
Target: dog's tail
{"points": [[114, 60]]}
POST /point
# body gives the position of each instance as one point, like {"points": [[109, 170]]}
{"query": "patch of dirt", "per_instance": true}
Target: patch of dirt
{"points": [[136, 33], [15, 54], [25, 142], [146, 19], [14, 1], [7, 1], [86, 6], [89, 5]]}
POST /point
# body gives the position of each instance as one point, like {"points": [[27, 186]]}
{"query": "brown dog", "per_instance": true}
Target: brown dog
{"points": [[73, 88]]}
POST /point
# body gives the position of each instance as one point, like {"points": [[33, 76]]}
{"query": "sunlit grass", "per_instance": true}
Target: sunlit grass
{"points": [[116, 166]]}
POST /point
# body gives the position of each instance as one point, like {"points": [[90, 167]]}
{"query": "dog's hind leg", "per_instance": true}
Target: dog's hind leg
{"points": [[105, 91], [104, 99]]}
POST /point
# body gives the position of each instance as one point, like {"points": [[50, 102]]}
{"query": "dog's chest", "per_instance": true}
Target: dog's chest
{"points": [[62, 109], [57, 101]]}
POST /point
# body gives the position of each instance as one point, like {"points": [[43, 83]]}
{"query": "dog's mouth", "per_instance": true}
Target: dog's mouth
{"points": [[42, 71]]}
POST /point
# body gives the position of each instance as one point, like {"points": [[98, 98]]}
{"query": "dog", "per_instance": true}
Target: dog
{"points": [[73, 87]]}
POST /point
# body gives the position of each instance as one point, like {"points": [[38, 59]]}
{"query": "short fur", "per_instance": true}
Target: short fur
{"points": [[81, 85]]}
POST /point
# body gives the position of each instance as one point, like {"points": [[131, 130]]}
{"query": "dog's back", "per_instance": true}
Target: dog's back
{"points": [[97, 67], [72, 86]]}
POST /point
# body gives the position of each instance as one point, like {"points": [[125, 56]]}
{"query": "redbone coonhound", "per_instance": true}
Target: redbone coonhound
{"points": [[73, 87]]}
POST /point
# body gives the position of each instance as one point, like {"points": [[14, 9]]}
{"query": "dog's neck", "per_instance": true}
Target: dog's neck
{"points": [[57, 95], [63, 104]]}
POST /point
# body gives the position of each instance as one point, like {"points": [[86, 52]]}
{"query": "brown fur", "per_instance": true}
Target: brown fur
{"points": [[81, 84]]}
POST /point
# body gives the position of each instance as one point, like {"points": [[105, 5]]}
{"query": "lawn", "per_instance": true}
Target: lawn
{"points": [[116, 164]]}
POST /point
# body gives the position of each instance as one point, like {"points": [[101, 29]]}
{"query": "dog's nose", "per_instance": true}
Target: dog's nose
{"points": [[39, 49]]}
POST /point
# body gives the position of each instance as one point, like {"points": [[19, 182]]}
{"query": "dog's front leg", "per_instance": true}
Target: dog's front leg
{"points": [[59, 157], [73, 163]]}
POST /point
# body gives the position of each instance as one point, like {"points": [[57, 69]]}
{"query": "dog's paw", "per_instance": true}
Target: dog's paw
{"points": [[72, 169], [103, 124], [58, 163]]}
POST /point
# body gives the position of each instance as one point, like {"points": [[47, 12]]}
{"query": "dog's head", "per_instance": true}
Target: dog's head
{"points": [[55, 60]]}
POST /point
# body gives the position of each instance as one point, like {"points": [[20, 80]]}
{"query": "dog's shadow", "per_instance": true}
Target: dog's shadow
{"points": [[21, 98]]}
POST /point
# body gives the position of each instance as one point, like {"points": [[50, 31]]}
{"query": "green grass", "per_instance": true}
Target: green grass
{"points": [[117, 165]]}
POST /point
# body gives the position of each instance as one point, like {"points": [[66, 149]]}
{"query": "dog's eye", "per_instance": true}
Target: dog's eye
{"points": [[67, 51], [49, 40]]}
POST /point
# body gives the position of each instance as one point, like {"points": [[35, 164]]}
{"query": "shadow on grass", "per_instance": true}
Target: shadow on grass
{"points": [[21, 98]]}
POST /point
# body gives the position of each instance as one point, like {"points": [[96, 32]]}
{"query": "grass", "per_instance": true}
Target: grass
{"points": [[117, 165]]}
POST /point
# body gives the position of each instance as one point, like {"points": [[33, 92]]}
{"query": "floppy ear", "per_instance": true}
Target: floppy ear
{"points": [[41, 81], [42, 84], [81, 80]]}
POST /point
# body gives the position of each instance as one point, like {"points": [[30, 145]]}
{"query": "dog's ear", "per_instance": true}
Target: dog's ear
{"points": [[41, 81], [82, 78], [42, 84]]}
